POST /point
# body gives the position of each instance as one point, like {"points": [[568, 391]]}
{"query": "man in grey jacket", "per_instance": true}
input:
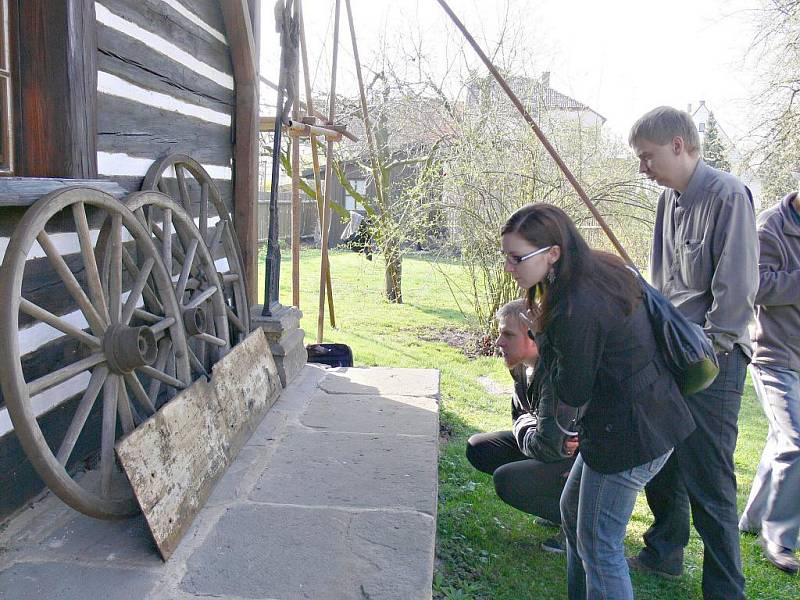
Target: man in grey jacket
{"points": [[773, 507], [705, 261], [530, 463]]}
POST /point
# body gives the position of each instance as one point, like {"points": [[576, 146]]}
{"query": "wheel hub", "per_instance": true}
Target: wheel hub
{"points": [[128, 348], [194, 320]]}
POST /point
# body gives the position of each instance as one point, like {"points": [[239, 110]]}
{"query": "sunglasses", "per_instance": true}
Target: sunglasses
{"points": [[515, 260]]}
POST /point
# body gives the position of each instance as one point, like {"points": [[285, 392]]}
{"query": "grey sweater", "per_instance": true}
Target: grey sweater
{"points": [[705, 255], [777, 330]]}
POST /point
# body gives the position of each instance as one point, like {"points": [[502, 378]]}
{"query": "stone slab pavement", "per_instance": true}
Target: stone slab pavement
{"points": [[333, 496]]}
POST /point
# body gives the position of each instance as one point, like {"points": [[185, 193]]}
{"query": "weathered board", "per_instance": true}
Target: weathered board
{"points": [[174, 459]]}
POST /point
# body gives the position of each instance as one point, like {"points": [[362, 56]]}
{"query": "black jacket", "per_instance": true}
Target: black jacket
{"points": [[534, 410], [609, 363]]}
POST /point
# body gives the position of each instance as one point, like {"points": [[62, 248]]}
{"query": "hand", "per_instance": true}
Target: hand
{"points": [[571, 446]]}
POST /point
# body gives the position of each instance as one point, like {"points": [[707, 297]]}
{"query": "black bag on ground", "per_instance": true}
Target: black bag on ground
{"points": [[333, 355], [687, 351]]}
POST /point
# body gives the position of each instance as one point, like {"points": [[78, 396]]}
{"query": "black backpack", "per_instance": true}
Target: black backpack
{"points": [[687, 351]]}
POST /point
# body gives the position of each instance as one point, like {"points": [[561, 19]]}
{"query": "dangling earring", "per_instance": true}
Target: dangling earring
{"points": [[551, 275]]}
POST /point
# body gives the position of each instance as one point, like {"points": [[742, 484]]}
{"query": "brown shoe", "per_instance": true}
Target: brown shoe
{"points": [[636, 564], [783, 558]]}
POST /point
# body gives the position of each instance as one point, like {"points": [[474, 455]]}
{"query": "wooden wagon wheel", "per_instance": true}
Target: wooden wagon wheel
{"points": [[198, 287], [120, 348], [217, 231]]}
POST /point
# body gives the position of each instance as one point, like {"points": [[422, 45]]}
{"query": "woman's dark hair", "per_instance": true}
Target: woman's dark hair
{"points": [[547, 225]]}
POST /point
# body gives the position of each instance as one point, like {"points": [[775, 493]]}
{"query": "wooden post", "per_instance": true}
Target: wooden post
{"points": [[315, 157], [56, 93], [325, 222], [373, 155], [236, 14], [296, 179]]}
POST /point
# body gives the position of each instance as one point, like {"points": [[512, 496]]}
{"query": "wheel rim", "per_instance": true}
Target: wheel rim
{"points": [[117, 374], [197, 194]]}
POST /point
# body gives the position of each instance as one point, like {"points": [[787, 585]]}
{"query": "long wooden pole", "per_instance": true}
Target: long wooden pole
{"points": [[542, 138], [373, 155], [325, 223], [315, 156], [295, 137]]}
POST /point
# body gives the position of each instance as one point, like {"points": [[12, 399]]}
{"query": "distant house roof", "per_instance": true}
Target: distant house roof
{"points": [[533, 92]]}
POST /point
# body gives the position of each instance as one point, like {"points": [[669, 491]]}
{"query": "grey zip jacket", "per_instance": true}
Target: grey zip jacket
{"points": [[705, 255], [777, 330]]}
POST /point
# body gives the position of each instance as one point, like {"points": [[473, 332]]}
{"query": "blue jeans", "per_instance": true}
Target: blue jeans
{"points": [[595, 510], [773, 507]]}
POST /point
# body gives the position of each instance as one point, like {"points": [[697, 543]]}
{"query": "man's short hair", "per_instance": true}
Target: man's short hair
{"points": [[662, 124], [512, 309]]}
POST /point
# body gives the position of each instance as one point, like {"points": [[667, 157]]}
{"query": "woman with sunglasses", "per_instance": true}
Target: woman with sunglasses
{"points": [[597, 343]]}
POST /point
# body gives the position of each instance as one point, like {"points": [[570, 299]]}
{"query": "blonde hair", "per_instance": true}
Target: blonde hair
{"points": [[662, 124]]}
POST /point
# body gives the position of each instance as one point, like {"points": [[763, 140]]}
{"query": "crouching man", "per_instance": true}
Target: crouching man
{"points": [[530, 463]]}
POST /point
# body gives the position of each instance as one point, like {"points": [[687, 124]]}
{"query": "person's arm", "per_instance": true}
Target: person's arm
{"points": [[519, 399], [545, 441], [735, 280], [776, 287], [576, 342]]}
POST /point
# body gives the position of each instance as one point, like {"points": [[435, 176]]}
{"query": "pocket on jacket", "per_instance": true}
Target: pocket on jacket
{"points": [[693, 271]]}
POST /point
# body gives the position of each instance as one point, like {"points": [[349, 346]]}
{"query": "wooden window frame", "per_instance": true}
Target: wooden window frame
{"points": [[6, 93]]}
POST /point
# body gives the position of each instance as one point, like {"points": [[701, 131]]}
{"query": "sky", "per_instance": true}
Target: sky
{"points": [[621, 58]]}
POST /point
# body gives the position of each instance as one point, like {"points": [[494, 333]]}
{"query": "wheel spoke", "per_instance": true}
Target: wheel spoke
{"points": [[146, 316], [124, 408], [138, 392], [198, 299], [37, 312], [89, 259], [166, 240], [163, 377], [150, 297], [136, 291], [180, 288], [233, 318], [108, 435], [81, 414], [203, 211], [197, 365], [47, 381], [115, 269], [92, 316], [210, 339], [164, 347], [183, 191], [163, 324]]}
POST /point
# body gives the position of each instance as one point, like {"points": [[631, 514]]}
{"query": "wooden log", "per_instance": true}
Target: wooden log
{"points": [[325, 222]]}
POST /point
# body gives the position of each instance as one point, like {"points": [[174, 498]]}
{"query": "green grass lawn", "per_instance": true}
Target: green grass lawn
{"points": [[486, 549]]}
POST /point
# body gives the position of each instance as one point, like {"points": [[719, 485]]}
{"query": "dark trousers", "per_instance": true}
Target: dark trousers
{"points": [[526, 484], [700, 474]]}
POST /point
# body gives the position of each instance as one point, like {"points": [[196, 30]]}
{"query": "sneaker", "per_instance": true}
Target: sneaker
{"points": [[546, 522], [557, 544], [781, 557], [635, 563]]}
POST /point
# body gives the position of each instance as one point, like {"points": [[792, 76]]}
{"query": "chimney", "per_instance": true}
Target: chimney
{"points": [[546, 80], [689, 108]]}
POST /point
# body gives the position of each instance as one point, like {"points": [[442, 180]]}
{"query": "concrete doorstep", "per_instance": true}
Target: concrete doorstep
{"points": [[333, 496]]}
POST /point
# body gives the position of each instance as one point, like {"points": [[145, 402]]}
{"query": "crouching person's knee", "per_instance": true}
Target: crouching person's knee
{"points": [[476, 454]]}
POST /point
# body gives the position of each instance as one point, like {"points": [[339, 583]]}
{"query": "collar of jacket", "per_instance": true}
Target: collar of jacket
{"points": [[790, 224]]}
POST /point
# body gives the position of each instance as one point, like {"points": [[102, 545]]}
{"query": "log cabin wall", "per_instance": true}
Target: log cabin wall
{"points": [[164, 85]]}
